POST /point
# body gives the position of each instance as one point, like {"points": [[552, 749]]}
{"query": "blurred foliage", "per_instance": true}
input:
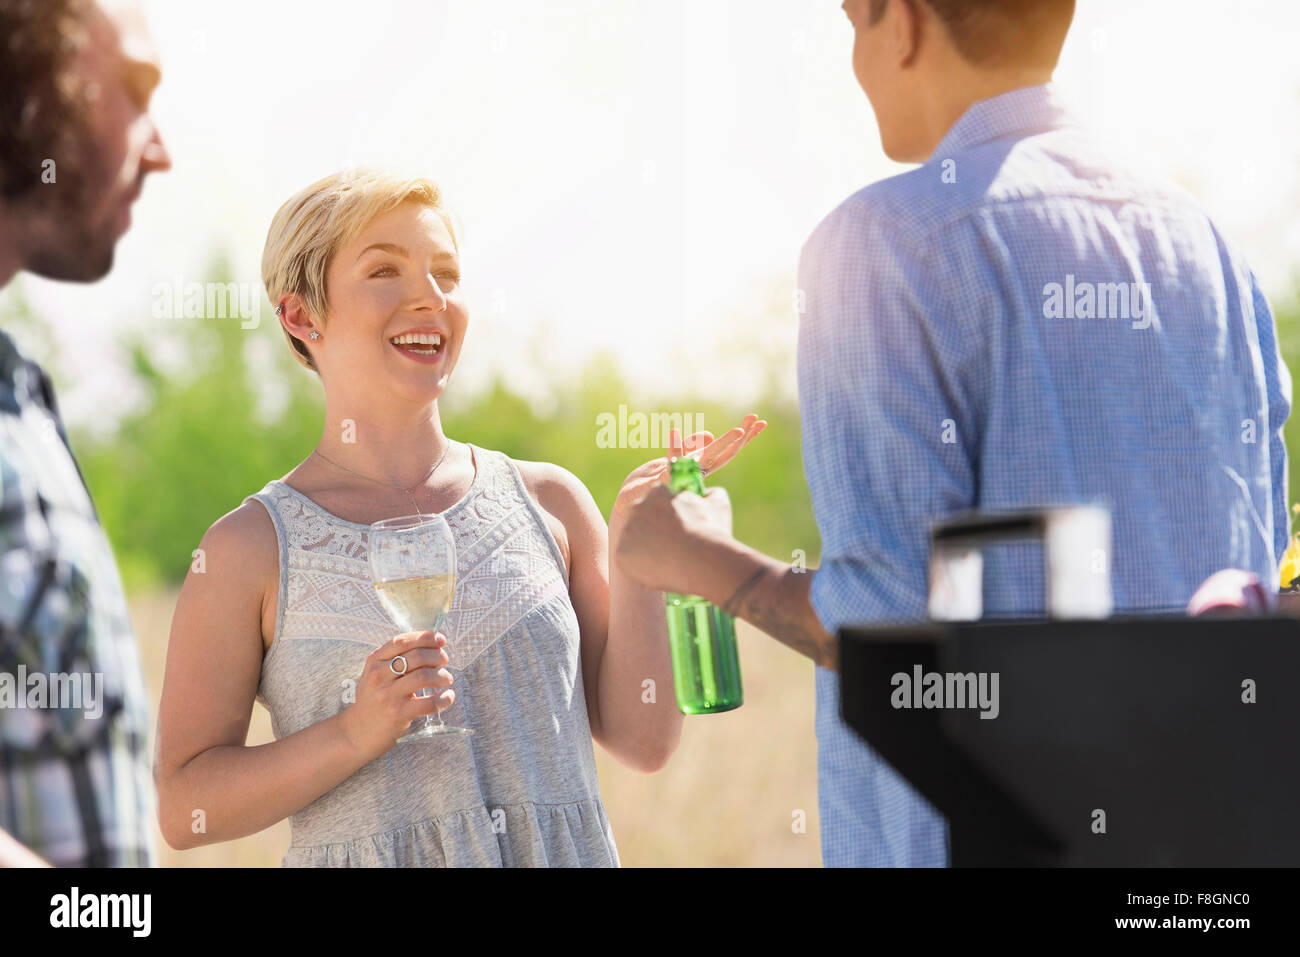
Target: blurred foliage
{"points": [[201, 440]]}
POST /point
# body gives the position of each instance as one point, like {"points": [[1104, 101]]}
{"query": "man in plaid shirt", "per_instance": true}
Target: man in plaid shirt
{"points": [[77, 141]]}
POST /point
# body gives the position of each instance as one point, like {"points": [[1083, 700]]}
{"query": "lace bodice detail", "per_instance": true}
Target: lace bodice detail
{"points": [[503, 567]]}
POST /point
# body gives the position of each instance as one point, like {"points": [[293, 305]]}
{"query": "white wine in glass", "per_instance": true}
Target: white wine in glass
{"points": [[417, 604], [413, 565]]}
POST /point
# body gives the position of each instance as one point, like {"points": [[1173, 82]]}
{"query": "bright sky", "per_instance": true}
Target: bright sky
{"points": [[633, 176]]}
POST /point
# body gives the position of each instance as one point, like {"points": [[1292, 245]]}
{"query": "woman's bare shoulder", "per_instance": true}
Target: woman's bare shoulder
{"points": [[555, 488], [570, 510], [245, 530], [236, 567], [240, 550]]}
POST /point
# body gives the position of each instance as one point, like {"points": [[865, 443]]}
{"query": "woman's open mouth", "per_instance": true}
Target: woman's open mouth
{"points": [[420, 346]]}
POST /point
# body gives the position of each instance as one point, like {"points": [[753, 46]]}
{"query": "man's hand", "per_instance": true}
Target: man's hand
{"points": [[1232, 591], [665, 539]]}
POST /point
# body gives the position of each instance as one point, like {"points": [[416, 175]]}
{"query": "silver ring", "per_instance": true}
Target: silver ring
{"points": [[402, 659]]}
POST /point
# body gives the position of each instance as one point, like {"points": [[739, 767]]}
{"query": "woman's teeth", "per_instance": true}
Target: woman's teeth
{"points": [[424, 343]]}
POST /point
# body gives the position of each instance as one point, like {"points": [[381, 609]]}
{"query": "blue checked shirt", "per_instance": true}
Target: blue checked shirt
{"points": [[965, 343], [75, 779]]}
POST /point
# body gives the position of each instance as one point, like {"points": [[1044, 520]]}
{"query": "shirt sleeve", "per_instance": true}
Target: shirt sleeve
{"points": [[1277, 380], [55, 760], [887, 433]]}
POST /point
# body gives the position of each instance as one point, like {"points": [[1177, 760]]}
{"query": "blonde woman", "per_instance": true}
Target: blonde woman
{"points": [[548, 649]]}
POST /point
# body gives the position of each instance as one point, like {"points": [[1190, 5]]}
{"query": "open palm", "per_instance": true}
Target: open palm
{"points": [[712, 454]]}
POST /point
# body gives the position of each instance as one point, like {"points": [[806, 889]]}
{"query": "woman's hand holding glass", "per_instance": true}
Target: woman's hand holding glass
{"points": [[386, 702]]}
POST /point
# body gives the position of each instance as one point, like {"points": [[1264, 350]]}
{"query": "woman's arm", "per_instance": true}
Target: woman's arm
{"points": [[626, 662], [13, 854], [624, 632], [211, 787], [638, 634]]}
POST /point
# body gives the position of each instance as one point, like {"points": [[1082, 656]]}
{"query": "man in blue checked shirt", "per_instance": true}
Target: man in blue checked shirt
{"points": [[1019, 321], [75, 781]]}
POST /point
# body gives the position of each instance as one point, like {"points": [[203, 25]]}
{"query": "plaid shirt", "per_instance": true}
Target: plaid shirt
{"points": [[75, 781]]}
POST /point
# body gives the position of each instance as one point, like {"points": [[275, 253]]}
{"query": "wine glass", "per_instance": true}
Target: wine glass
{"points": [[413, 565]]}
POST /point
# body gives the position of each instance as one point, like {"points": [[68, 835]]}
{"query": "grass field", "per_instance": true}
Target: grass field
{"points": [[733, 795]]}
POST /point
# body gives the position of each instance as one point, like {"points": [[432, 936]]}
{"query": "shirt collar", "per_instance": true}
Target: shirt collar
{"points": [[11, 360], [1030, 109], [21, 380]]}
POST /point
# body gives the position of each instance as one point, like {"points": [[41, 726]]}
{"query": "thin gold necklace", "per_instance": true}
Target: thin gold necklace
{"points": [[409, 491]]}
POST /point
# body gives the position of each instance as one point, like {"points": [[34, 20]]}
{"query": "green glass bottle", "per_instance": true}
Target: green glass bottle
{"points": [[702, 637]]}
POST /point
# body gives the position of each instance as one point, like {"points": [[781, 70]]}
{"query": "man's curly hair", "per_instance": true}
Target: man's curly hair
{"points": [[40, 98]]}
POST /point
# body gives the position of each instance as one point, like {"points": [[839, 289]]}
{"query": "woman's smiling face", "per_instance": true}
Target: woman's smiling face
{"points": [[396, 313]]}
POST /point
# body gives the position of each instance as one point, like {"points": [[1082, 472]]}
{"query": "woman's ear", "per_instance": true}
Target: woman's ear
{"points": [[296, 318]]}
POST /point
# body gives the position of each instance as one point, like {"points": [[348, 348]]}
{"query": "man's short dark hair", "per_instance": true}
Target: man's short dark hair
{"points": [[1000, 32], [40, 99]]}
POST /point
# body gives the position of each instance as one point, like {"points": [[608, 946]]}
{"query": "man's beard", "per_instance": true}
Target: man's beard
{"points": [[80, 253], [63, 242]]}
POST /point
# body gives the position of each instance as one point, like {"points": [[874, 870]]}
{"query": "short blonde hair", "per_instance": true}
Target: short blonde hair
{"points": [[314, 224]]}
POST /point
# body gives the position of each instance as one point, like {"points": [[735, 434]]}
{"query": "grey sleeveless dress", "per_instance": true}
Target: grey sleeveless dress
{"points": [[519, 792]]}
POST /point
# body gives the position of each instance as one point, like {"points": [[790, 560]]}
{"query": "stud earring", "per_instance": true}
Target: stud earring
{"points": [[315, 334]]}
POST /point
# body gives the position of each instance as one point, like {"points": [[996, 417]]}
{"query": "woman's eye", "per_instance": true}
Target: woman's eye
{"points": [[383, 271]]}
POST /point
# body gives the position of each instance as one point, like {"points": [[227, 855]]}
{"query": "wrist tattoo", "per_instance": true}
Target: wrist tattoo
{"points": [[732, 605]]}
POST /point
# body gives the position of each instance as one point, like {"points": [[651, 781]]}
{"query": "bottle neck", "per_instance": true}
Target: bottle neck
{"points": [[684, 476]]}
